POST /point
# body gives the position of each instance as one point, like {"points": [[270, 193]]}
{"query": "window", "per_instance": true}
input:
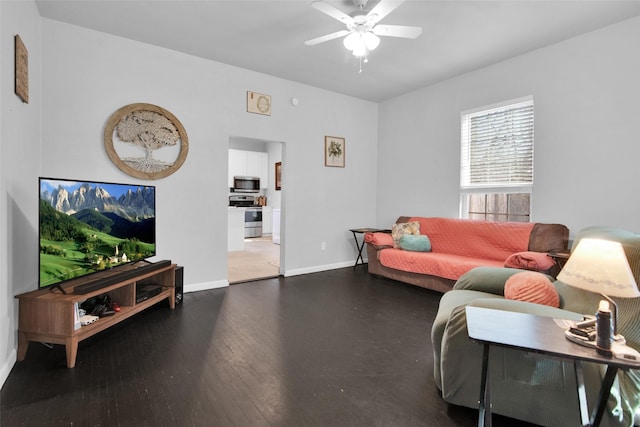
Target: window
{"points": [[497, 162]]}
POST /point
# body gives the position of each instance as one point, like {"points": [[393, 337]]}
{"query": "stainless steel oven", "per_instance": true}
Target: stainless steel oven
{"points": [[252, 214], [253, 222]]}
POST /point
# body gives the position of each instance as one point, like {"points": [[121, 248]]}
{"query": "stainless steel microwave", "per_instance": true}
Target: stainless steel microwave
{"points": [[246, 184]]}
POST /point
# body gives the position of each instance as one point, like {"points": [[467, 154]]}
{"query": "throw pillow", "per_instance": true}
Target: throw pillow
{"points": [[400, 229], [419, 243], [537, 261], [533, 287]]}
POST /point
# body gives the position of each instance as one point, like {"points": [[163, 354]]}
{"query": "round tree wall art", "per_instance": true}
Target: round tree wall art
{"points": [[146, 141]]}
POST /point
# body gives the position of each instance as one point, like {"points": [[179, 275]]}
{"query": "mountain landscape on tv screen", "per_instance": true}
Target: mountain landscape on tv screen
{"points": [[86, 229]]}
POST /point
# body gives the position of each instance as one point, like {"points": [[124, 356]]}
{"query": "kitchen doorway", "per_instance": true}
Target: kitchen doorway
{"points": [[260, 259], [257, 255]]}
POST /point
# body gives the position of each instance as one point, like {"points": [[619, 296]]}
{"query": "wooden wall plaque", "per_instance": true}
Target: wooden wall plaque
{"points": [[22, 70], [258, 103]]}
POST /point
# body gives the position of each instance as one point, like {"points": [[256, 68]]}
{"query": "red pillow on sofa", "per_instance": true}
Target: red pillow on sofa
{"points": [[531, 287]]}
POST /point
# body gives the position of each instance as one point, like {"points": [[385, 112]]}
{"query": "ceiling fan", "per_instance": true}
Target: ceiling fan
{"points": [[362, 27]]}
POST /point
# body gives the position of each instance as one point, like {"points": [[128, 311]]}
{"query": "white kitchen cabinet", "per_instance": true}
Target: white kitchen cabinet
{"points": [[267, 220], [252, 159], [248, 163], [263, 169], [237, 164], [235, 229]]}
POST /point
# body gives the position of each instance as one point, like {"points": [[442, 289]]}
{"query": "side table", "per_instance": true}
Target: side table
{"points": [[360, 245], [541, 335], [559, 257]]}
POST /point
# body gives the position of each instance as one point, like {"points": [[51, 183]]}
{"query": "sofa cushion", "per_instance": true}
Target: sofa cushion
{"points": [[533, 287], [419, 243], [476, 239], [529, 260], [447, 266], [400, 229]]}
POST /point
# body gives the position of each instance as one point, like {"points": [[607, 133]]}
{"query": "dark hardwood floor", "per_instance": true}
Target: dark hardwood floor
{"points": [[337, 348]]}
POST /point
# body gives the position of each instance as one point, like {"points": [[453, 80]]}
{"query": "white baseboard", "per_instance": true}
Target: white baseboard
{"points": [[206, 286], [6, 367], [318, 268]]}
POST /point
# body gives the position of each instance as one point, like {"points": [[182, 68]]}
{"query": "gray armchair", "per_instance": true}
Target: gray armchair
{"points": [[528, 386]]}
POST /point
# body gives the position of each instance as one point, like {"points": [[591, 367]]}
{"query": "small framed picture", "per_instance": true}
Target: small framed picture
{"points": [[258, 103], [21, 70], [278, 176], [334, 151]]}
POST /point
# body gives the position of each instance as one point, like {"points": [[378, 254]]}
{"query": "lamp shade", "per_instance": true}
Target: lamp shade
{"points": [[600, 266]]}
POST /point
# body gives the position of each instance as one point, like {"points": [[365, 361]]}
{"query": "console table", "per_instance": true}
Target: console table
{"points": [[48, 316], [541, 335]]}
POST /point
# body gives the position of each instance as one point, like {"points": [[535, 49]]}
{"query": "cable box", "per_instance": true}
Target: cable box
{"points": [[144, 292]]}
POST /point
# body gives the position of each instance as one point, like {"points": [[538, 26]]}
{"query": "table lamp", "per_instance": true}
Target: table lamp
{"points": [[601, 266]]}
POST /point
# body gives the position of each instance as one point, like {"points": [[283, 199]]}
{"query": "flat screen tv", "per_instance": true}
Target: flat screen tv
{"points": [[89, 226]]}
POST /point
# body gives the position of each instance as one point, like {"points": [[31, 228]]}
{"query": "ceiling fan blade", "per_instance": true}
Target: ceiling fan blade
{"points": [[332, 12], [403, 31], [327, 37], [382, 9]]}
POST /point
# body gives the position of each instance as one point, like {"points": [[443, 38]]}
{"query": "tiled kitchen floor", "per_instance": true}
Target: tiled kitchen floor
{"points": [[260, 259]]}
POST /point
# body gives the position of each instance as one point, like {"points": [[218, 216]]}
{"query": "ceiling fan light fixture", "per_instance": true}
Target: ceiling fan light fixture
{"points": [[362, 27], [370, 40], [360, 44], [360, 50], [351, 41]]}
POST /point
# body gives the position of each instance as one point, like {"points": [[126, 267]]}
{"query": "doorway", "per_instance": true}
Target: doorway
{"points": [[260, 259], [256, 257]]}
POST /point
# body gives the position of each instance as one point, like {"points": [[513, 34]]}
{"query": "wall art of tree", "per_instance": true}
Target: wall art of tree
{"points": [[149, 131]]}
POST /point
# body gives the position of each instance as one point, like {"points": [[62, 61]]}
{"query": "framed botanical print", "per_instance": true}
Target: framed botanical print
{"points": [[334, 151]]}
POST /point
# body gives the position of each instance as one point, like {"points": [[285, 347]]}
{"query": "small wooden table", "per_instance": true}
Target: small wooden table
{"points": [[359, 245], [541, 335], [559, 257]]}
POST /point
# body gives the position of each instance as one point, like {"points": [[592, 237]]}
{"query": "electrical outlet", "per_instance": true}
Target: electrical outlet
{"points": [[323, 245]]}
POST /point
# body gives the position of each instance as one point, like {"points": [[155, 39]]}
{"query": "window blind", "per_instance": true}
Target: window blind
{"points": [[497, 146]]}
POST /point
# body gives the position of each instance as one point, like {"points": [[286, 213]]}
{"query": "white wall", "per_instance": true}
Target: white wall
{"points": [[88, 75], [19, 166], [585, 92]]}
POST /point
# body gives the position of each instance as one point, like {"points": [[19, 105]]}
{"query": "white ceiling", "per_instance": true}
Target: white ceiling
{"points": [[268, 36]]}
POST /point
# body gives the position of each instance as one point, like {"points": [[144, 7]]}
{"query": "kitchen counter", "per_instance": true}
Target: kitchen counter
{"points": [[235, 229]]}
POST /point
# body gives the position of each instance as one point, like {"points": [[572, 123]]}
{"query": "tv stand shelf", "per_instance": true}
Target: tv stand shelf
{"points": [[49, 316]]}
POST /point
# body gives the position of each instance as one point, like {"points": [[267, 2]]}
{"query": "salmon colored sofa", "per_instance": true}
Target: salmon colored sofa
{"points": [[459, 245]]}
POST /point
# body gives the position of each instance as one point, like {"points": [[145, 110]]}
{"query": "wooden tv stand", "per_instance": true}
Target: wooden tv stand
{"points": [[48, 315]]}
